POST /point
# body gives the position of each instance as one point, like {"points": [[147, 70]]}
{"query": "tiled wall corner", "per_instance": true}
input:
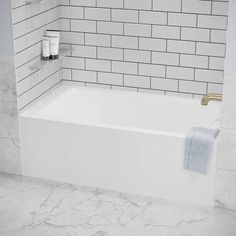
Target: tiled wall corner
{"points": [[167, 47], [29, 23], [171, 47]]}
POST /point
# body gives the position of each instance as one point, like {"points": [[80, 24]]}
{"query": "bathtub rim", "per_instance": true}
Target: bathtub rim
{"points": [[26, 113]]}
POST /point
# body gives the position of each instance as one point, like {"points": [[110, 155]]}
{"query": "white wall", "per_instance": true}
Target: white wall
{"points": [[230, 68], [6, 38], [226, 174]]}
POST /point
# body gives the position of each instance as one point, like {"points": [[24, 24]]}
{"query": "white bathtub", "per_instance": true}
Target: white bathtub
{"points": [[124, 141]]}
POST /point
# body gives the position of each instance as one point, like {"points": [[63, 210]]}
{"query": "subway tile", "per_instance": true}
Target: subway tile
{"points": [[192, 87], [71, 12], [28, 83], [73, 62], [216, 63], [180, 46], [110, 3], [218, 36], [148, 17], [66, 74], [27, 11], [209, 75], [84, 76], [194, 61], [196, 6], [215, 88], [220, 8], [137, 30], [17, 3], [167, 5], [137, 81], [124, 67], [165, 58], [90, 3], [72, 38], [152, 44], [125, 42], [97, 40], [97, 14], [109, 27], [35, 22], [125, 15], [195, 34], [213, 22], [152, 70], [138, 4], [65, 24], [38, 90], [183, 73], [84, 51], [83, 26], [137, 56], [110, 53], [34, 37], [180, 19], [164, 84], [211, 49], [98, 65], [167, 32], [64, 2], [110, 78], [27, 55]]}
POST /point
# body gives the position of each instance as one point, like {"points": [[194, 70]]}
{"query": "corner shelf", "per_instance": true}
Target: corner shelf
{"points": [[40, 64]]}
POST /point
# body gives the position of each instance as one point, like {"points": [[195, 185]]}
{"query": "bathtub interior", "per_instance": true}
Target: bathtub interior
{"points": [[70, 103]]}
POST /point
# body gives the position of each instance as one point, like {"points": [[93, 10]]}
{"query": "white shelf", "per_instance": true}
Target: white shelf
{"points": [[40, 64]]}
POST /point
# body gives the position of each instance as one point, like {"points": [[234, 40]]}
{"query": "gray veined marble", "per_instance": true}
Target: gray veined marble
{"points": [[7, 79], [30, 207], [9, 130]]}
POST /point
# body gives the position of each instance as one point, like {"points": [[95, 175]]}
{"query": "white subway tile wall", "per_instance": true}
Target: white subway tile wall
{"points": [[29, 24], [161, 46], [170, 46]]}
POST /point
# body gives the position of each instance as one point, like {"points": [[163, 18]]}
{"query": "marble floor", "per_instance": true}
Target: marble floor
{"points": [[30, 207]]}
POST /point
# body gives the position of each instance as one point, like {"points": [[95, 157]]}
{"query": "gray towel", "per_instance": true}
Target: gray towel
{"points": [[199, 144]]}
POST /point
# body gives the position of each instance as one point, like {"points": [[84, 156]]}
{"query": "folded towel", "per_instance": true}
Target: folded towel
{"points": [[199, 144]]}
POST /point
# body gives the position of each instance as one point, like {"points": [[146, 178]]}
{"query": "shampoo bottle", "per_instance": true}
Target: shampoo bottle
{"points": [[54, 39], [45, 48]]}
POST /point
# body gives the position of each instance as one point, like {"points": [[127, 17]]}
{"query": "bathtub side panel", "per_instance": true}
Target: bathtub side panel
{"points": [[120, 160]]}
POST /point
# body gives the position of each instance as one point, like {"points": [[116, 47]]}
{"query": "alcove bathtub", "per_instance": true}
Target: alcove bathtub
{"points": [[119, 140]]}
